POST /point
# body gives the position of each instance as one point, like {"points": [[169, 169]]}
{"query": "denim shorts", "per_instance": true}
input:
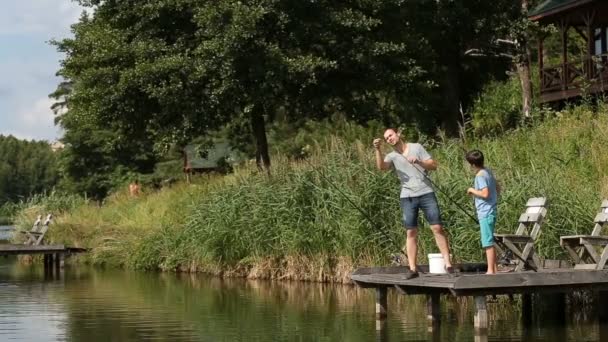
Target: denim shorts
{"points": [[487, 225], [411, 205]]}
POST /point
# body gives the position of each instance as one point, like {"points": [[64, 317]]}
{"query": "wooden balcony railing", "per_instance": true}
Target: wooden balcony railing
{"points": [[571, 77]]}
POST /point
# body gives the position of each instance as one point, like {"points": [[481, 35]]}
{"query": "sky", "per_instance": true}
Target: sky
{"points": [[28, 64]]}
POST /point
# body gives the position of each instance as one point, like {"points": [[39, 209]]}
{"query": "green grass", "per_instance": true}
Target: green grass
{"points": [[295, 224]]}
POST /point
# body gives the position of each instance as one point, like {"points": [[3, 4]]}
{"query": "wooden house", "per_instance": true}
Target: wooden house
{"points": [[574, 73]]}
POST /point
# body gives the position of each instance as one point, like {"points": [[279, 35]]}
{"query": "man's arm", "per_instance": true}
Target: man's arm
{"points": [[425, 160], [429, 164], [380, 163]]}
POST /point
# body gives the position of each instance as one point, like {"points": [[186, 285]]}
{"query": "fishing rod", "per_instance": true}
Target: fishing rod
{"points": [[358, 208], [382, 231], [436, 187]]}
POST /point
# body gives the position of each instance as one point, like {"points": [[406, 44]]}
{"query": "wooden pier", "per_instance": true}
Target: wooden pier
{"points": [[54, 255], [471, 280]]}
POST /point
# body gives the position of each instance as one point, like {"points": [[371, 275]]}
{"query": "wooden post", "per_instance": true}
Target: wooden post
{"points": [[559, 309], [435, 330], [381, 330], [481, 336], [51, 263], [588, 64], [564, 32], [603, 315], [526, 309], [47, 269], [46, 262], [540, 62], [481, 313], [58, 262], [604, 48], [381, 302], [433, 308]]}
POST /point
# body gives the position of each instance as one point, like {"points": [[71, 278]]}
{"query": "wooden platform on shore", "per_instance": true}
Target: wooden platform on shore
{"points": [[477, 283], [12, 249], [54, 255]]}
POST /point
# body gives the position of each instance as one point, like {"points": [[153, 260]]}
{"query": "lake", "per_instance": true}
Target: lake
{"points": [[89, 304]]}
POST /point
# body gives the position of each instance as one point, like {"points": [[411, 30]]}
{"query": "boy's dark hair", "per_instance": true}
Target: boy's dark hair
{"points": [[475, 158]]}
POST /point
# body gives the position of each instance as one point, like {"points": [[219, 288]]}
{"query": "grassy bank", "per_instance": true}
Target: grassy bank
{"points": [[296, 224]]}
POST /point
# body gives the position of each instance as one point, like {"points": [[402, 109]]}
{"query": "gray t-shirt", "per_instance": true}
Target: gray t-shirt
{"points": [[413, 182]]}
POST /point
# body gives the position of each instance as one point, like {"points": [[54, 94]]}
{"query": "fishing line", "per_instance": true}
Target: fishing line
{"points": [[359, 209], [438, 188], [526, 263], [382, 231]]}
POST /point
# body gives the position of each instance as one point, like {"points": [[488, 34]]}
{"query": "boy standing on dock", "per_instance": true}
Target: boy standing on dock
{"points": [[411, 163], [485, 192]]}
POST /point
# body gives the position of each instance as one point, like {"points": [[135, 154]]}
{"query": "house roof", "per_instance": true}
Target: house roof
{"points": [[550, 7], [209, 158]]}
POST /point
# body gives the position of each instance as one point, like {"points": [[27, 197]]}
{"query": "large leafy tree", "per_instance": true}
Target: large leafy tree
{"points": [[510, 41], [308, 59], [171, 70], [146, 74]]}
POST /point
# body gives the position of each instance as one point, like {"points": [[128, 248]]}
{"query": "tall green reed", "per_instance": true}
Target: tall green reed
{"points": [[245, 218]]}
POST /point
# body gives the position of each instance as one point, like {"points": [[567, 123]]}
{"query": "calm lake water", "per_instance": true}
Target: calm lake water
{"points": [[88, 304]]}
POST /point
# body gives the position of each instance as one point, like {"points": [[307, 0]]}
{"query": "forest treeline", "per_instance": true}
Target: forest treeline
{"points": [[26, 168]]}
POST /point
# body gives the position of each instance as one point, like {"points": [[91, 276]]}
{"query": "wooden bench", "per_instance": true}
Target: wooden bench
{"points": [[35, 235], [583, 249], [521, 244]]}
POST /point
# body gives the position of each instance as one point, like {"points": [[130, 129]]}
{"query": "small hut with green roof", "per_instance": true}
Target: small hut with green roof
{"points": [[207, 160]]}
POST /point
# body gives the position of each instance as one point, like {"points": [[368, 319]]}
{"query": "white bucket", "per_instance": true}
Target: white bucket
{"points": [[436, 263]]}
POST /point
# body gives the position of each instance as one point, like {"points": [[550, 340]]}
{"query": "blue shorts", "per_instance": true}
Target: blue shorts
{"points": [[487, 225], [429, 206]]}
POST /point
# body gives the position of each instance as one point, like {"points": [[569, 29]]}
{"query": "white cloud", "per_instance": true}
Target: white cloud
{"points": [[38, 16], [40, 112], [35, 122]]}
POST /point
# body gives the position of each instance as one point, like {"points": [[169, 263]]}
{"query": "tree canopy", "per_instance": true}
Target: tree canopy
{"points": [[144, 75]]}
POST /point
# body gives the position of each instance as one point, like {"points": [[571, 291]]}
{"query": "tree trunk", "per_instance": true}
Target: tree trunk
{"points": [[258, 126], [523, 69], [450, 48], [451, 95]]}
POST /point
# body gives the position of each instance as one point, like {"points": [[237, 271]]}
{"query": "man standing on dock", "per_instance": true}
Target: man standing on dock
{"points": [[411, 162]]}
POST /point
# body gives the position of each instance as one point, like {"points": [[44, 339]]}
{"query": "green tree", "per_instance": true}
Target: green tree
{"points": [[453, 28], [171, 70], [26, 168], [144, 75]]}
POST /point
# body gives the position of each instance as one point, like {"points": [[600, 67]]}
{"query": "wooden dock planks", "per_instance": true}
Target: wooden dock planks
{"points": [[12, 249], [472, 284]]}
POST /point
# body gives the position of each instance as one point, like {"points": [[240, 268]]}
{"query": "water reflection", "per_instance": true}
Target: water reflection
{"points": [[103, 305]]}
